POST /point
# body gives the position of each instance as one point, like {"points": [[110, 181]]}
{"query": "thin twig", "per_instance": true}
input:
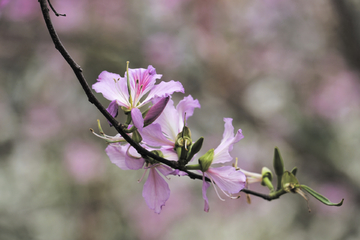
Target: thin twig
{"points": [[53, 9], [92, 99]]}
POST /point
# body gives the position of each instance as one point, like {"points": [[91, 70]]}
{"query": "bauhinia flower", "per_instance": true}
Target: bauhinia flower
{"points": [[227, 178], [165, 129], [134, 90], [156, 190]]}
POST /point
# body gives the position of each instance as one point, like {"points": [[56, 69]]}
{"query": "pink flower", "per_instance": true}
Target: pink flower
{"points": [[163, 132], [227, 178], [141, 89], [156, 190]]}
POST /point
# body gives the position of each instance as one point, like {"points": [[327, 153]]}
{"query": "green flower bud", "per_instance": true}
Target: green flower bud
{"points": [[136, 136], [183, 143], [289, 182], [194, 149], [206, 160], [278, 167], [267, 177], [278, 163]]}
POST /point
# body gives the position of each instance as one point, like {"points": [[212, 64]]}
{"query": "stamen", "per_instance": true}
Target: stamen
{"points": [[235, 164], [217, 193], [143, 175]]}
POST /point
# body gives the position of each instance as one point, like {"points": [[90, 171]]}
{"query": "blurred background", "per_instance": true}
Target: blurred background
{"points": [[287, 72]]}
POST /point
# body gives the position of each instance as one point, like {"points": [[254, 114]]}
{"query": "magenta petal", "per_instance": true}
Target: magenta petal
{"points": [[155, 111], [156, 191], [113, 110], [137, 118], [205, 186], [117, 154]]}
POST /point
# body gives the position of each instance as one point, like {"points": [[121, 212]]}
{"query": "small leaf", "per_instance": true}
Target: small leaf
{"points": [[320, 197]]}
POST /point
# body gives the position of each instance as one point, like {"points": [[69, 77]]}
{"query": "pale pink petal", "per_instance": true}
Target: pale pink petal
{"points": [[222, 152], [156, 191], [137, 118], [164, 170], [227, 178], [169, 153], [133, 159], [117, 154], [152, 135], [141, 82], [205, 186], [169, 121], [112, 87], [186, 106], [164, 89]]}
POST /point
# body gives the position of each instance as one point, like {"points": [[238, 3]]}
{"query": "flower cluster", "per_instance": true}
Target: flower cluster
{"points": [[157, 125]]}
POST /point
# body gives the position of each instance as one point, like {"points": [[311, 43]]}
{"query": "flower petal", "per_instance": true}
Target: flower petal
{"points": [[222, 152], [187, 105], [141, 81], [152, 135], [133, 159], [169, 121], [205, 186], [227, 178], [112, 87], [137, 118], [155, 111], [156, 191], [164, 89], [117, 154]]}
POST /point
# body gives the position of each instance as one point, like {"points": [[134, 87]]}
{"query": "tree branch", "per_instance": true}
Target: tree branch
{"points": [[118, 126]]}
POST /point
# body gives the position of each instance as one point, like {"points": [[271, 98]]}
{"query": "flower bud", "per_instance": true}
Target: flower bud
{"points": [[289, 182], [278, 167], [278, 163], [183, 143], [267, 177], [206, 160], [194, 149], [136, 136]]}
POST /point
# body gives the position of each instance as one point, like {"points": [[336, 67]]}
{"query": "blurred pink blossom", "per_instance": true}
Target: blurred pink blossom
{"points": [[337, 95], [334, 193], [76, 15], [153, 226], [19, 10], [161, 48], [84, 162], [42, 123]]}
